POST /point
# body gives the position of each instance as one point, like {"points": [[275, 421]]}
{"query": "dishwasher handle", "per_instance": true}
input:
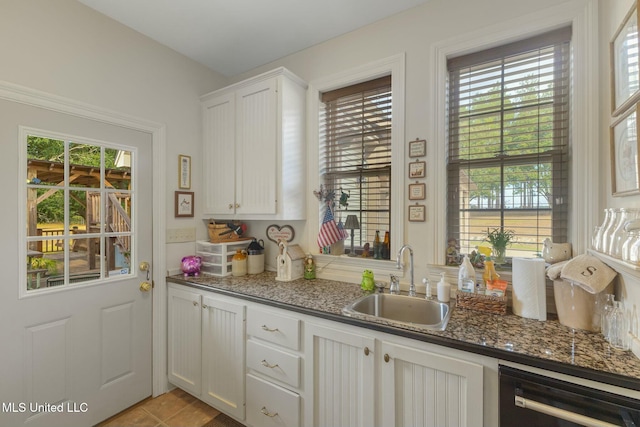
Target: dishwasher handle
{"points": [[560, 413]]}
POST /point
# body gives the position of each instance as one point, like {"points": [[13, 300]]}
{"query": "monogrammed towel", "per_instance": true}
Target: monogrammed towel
{"points": [[588, 272]]}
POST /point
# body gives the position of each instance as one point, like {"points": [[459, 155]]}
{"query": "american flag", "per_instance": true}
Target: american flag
{"points": [[329, 232]]}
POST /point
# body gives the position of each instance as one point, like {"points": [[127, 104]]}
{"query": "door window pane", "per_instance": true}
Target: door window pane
{"points": [[78, 212]]}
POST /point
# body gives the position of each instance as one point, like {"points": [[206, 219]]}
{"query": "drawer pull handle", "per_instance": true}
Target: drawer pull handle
{"points": [[266, 328], [267, 413], [268, 365]]}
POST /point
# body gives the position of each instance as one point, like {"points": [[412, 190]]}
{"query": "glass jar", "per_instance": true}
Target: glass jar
{"points": [[618, 328], [606, 231], [618, 235], [607, 308], [239, 263], [632, 229], [597, 234]]}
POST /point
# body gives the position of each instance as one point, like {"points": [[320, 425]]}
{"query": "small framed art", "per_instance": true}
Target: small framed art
{"points": [[417, 169], [418, 148], [184, 204], [184, 172], [417, 213], [625, 175], [625, 74], [417, 191]]}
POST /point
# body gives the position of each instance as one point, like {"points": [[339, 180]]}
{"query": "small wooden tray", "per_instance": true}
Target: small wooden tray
{"points": [[485, 303]]}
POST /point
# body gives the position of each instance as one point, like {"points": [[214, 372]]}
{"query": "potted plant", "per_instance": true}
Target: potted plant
{"points": [[500, 239]]}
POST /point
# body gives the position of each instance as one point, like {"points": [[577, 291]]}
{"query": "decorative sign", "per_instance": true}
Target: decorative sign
{"points": [[418, 148], [276, 233]]}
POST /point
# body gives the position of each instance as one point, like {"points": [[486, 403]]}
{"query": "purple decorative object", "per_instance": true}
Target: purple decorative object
{"points": [[191, 265]]}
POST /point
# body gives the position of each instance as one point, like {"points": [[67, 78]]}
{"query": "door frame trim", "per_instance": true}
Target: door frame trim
{"points": [[28, 96]]}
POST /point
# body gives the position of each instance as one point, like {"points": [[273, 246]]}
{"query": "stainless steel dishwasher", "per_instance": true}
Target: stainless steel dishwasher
{"points": [[528, 399]]}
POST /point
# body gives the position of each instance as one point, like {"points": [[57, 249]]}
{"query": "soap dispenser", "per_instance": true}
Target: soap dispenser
{"points": [[444, 289]]}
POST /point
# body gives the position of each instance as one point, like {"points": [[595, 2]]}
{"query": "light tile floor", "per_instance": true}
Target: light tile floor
{"points": [[173, 409]]}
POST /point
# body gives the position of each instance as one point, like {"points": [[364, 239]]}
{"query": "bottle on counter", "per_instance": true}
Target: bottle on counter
{"points": [[239, 263], [466, 271], [386, 246], [376, 245], [444, 289]]}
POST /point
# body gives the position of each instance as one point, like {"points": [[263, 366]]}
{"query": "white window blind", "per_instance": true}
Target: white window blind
{"points": [[508, 163], [355, 153]]}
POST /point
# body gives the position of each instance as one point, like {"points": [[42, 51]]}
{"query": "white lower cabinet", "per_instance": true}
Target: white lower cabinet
{"points": [[271, 405], [206, 346], [423, 388], [274, 374], [340, 376], [301, 370]]}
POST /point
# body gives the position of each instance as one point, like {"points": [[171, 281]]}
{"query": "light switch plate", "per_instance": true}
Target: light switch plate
{"points": [[179, 235]]}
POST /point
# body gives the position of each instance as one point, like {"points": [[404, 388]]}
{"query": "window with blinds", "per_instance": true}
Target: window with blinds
{"points": [[508, 162], [355, 153]]}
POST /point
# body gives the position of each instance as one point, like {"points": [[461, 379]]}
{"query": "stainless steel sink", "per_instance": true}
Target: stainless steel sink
{"points": [[413, 311]]}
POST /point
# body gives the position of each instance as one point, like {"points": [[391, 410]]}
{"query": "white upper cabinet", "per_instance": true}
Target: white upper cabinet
{"points": [[254, 148]]}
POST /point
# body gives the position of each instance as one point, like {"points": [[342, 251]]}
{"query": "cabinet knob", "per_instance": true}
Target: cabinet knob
{"points": [[230, 205], [366, 351], [237, 205], [386, 358], [195, 303], [205, 306]]}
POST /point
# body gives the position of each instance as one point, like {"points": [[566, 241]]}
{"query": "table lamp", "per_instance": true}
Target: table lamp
{"points": [[352, 224]]}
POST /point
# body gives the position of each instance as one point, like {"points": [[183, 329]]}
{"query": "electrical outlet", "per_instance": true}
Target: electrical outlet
{"points": [[179, 235]]}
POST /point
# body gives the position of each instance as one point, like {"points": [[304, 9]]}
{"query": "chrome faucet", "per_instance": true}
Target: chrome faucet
{"points": [[412, 285]]}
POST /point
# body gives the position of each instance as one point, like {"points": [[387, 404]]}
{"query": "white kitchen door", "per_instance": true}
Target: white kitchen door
{"points": [[75, 338]]}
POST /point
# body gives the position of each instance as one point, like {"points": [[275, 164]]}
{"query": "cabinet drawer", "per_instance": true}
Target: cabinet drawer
{"points": [[274, 363], [275, 328], [270, 405]]}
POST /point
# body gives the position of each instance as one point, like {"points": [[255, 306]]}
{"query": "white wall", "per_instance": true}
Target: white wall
{"points": [[611, 15], [65, 48]]}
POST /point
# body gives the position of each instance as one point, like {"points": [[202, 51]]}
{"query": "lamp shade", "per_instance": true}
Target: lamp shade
{"points": [[352, 223]]}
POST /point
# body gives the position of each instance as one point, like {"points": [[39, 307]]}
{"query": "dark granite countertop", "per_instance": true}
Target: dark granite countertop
{"points": [[547, 345]]}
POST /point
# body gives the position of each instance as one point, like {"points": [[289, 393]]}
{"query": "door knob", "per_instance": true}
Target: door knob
{"points": [[144, 266], [145, 286]]}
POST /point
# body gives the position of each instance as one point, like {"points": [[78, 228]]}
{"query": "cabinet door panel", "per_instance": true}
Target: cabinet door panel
{"points": [[427, 389], [223, 345], [184, 340], [219, 154], [256, 151], [342, 377]]}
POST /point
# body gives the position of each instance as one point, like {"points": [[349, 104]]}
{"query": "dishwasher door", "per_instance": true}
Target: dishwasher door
{"points": [[528, 399]]}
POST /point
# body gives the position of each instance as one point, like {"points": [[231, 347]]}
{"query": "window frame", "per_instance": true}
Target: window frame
{"points": [[505, 59], [584, 127], [350, 267], [23, 239]]}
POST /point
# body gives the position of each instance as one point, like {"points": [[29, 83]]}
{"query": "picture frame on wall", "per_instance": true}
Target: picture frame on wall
{"points": [[184, 172], [624, 55], [625, 174], [417, 213], [417, 169], [417, 191], [184, 204], [418, 148]]}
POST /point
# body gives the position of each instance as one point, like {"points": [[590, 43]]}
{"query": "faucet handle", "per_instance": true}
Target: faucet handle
{"points": [[380, 287]]}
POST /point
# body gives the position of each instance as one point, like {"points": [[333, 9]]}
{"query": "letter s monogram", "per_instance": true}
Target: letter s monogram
{"points": [[589, 271]]}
